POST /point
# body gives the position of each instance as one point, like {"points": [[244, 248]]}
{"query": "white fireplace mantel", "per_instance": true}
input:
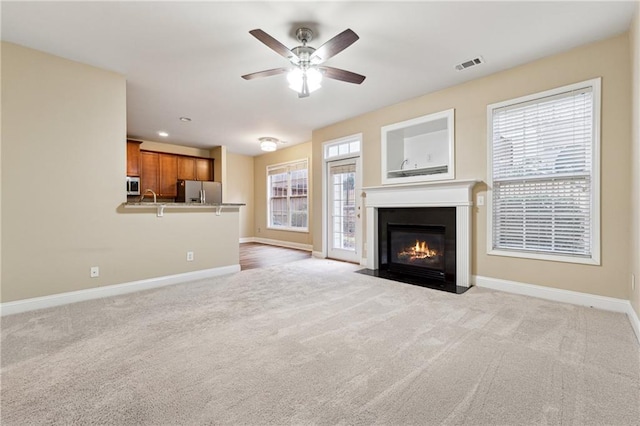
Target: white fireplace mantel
{"points": [[455, 193]]}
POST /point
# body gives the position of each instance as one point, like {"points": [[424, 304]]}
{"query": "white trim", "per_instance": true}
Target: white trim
{"points": [[565, 296], [634, 320], [595, 84], [338, 253], [247, 240], [555, 294], [543, 256], [25, 305], [456, 193], [273, 166], [279, 243], [318, 255], [449, 115], [289, 229], [325, 226], [346, 139]]}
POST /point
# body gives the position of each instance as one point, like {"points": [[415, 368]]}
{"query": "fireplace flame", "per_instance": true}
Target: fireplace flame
{"points": [[420, 251]]}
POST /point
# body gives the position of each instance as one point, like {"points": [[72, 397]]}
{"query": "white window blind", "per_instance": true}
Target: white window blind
{"points": [[542, 174], [288, 200]]}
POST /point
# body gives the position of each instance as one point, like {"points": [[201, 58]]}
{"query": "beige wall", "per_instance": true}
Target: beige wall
{"points": [[63, 172], [634, 37], [608, 59], [240, 179], [296, 152]]}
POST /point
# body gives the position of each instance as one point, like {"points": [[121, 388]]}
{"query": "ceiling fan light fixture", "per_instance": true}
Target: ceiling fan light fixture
{"points": [[268, 144], [296, 79]]}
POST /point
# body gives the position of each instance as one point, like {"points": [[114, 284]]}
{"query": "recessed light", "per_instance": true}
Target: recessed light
{"points": [[185, 119], [163, 134]]}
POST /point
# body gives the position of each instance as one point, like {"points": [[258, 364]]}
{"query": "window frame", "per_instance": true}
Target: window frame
{"points": [[594, 259], [287, 165]]}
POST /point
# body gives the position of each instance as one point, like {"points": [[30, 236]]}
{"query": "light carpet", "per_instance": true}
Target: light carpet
{"points": [[313, 342]]}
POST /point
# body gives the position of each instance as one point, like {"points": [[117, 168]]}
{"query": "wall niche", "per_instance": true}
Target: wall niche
{"points": [[418, 150]]}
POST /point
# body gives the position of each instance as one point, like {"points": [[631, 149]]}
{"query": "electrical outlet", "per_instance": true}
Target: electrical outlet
{"points": [[481, 200], [95, 272], [189, 256]]}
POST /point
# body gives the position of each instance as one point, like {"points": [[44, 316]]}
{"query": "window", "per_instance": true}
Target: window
{"points": [[543, 175], [287, 191], [347, 147]]}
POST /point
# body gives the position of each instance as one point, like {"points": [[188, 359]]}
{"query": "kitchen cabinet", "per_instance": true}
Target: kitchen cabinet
{"points": [[149, 171], [194, 168], [186, 168], [133, 158], [160, 171], [168, 175], [204, 169]]}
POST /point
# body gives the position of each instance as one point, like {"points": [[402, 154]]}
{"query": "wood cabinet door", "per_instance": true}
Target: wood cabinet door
{"points": [[133, 158], [168, 175], [149, 169], [186, 168], [204, 169]]}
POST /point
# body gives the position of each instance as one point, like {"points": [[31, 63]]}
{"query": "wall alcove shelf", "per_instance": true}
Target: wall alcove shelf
{"points": [[418, 150]]}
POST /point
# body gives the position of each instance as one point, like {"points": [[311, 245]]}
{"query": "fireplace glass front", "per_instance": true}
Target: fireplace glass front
{"points": [[417, 250]]}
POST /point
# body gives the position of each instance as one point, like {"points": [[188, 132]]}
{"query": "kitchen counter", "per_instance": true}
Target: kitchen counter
{"points": [[161, 206]]}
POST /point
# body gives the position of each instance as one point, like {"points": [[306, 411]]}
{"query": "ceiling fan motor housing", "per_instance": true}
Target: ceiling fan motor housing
{"points": [[304, 35], [303, 53]]}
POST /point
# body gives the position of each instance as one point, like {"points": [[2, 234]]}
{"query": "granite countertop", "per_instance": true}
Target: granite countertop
{"points": [[181, 205], [160, 206]]}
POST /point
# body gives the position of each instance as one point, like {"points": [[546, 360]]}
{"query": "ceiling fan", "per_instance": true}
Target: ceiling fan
{"points": [[306, 74]]}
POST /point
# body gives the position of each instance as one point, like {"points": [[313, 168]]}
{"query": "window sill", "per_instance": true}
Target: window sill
{"points": [[277, 228], [547, 257]]}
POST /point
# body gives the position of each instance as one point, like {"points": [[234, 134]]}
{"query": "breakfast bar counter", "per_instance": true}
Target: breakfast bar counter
{"points": [[161, 206]]}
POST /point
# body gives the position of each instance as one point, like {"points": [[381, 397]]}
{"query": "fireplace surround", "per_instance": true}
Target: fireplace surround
{"points": [[427, 208]]}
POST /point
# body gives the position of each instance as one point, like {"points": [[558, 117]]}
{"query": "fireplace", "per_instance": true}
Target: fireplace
{"points": [[436, 213], [416, 250], [418, 246]]}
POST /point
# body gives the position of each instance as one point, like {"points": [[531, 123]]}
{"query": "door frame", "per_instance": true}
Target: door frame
{"points": [[359, 204]]}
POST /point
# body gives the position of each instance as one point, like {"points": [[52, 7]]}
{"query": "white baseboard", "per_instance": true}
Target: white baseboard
{"points": [[247, 240], [18, 306], [288, 244], [635, 321], [319, 255], [566, 296]]}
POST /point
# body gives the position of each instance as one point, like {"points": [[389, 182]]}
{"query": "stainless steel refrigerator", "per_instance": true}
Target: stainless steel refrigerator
{"points": [[195, 191]]}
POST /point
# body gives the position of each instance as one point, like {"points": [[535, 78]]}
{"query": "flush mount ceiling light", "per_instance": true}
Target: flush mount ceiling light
{"points": [[163, 134], [185, 119], [306, 74], [268, 144]]}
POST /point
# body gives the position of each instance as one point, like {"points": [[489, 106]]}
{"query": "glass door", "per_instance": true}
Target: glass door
{"points": [[344, 210]]}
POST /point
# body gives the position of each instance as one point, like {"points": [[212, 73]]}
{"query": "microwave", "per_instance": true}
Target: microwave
{"points": [[133, 185]]}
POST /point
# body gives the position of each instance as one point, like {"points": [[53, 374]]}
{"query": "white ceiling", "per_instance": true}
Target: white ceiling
{"points": [[186, 58]]}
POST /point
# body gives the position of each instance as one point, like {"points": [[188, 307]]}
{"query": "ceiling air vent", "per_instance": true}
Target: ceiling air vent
{"points": [[470, 63]]}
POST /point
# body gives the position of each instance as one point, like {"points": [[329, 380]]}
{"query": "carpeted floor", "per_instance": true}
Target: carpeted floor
{"points": [[312, 342]]}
